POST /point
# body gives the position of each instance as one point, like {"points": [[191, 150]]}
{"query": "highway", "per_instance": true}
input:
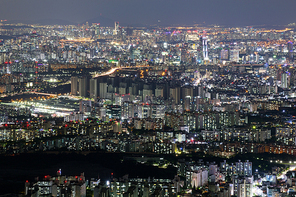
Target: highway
{"points": [[109, 72], [282, 175], [112, 70]]}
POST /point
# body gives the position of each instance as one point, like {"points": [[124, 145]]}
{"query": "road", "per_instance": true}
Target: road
{"points": [[109, 72], [283, 174], [112, 70]]}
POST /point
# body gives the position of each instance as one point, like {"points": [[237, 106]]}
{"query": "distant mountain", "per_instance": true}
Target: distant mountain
{"points": [[18, 21], [105, 22], [55, 22], [133, 25], [43, 22]]}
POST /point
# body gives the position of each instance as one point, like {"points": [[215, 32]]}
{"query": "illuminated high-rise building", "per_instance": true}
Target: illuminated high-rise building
{"points": [[159, 91], [17, 66], [83, 86], [284, 80], [127, 110], [97, 30], [116, 28], [224, 54], [244, 168], [103, 90], [205, 46], [199, 50], [290, 50], [113, 111], [157, 111], [93, 91], [175, 94], [74, 83], [234, 55]]}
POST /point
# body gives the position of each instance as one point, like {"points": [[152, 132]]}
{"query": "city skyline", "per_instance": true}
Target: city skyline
{"points": [[142, 13]]}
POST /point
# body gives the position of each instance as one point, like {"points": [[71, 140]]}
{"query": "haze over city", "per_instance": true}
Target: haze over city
{"points": [[134, 98], [143, 13]]}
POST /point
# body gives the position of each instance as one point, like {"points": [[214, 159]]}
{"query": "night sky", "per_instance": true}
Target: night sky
{"points": [[130, 12]]}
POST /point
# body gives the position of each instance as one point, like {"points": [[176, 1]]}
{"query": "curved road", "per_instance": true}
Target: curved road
{"points": [[109, 72], [112, 70]]}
